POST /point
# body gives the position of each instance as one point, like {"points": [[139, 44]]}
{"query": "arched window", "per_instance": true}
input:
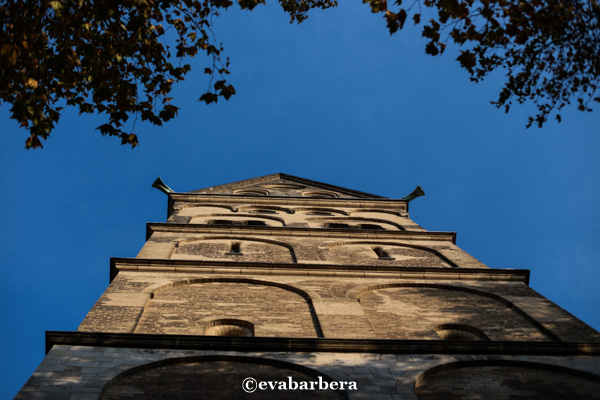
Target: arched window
{"points": [[370, 226], [382, 254], [332, 225], [220, 222], [255, 223], [459, 332], [236, 222], [229, 327], [235, 249]]}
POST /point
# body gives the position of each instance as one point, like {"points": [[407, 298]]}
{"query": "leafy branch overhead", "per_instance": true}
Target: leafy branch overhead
{"points": [[117, 58], [121, 58], [548, 49]]}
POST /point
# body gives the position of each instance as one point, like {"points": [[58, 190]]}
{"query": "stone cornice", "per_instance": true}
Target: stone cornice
{"points": [[280, 344], [298, 232], [356, 271], [206, 198]]}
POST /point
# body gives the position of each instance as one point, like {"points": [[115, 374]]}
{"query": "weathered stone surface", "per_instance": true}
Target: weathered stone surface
{"points": [[187, 309], [133, 371], [415, 312], [212, 380], [500, 382], [416, 306]]}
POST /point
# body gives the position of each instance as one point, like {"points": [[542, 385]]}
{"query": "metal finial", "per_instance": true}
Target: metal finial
{"points": [[414, 194], [160, 185]]}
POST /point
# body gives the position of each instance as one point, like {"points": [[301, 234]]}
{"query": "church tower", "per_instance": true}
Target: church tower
{"points": [[282, 287]]}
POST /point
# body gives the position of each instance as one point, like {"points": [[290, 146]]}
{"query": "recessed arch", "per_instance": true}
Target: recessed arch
{"points": [[214, 369], [289, 247], [354, 221], [359, 291], [229, 327], [318, 193], [307, 210], [197, 205], [265, 207], [374, 210], [460, 332], [252, 192], [494, 379], [376, 243], [238, 217], [309, 296]]}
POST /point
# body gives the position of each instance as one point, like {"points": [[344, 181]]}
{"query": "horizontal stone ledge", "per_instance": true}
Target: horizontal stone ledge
{"points": [[299, 232], [254, 344], [222, 198], [263, 268]]}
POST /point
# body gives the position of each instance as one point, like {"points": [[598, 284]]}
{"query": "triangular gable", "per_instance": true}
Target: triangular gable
{"points": [[280, 184]]}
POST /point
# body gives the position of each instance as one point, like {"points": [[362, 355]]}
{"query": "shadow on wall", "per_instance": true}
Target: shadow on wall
{"points": [[503, 379]]}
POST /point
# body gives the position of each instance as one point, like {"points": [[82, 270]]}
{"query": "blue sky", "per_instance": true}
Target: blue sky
{"points": [[335, 99]]}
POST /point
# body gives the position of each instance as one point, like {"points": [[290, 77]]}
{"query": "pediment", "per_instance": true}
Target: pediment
{"points": [[284, 185]]}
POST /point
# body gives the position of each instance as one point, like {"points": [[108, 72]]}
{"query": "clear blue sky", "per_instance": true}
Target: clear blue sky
{"points": [[335, 99]]}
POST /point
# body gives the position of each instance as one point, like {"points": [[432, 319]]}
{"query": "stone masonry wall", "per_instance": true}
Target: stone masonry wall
{"points": [[82, 373], [315, 249], [186, 310], [210, 380], [387, 307], [414, 312], [501, 382]]}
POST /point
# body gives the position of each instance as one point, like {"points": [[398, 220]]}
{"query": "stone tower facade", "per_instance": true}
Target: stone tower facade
{"points": [[276, 281]]}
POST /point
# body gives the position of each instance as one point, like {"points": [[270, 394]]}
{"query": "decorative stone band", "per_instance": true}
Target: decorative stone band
{"points": [[152, 227], [253, 344], [381, 203], [360, 271]]}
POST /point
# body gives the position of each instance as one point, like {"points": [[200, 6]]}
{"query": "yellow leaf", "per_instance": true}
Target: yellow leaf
{"points": [[13, 56], [5, 49], [32, 83]]}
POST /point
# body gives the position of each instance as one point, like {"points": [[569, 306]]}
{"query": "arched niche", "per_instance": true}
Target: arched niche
{"points": [[320, 194], [505, 380], [213, 377], [194, 209], [238, 219], [374, 211], [251, 192], [323, 211], [248, 250], [413, 311], [229, 327], [190, 307], [460, 332], [353, 223], [385, 253], [258, 208]]}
